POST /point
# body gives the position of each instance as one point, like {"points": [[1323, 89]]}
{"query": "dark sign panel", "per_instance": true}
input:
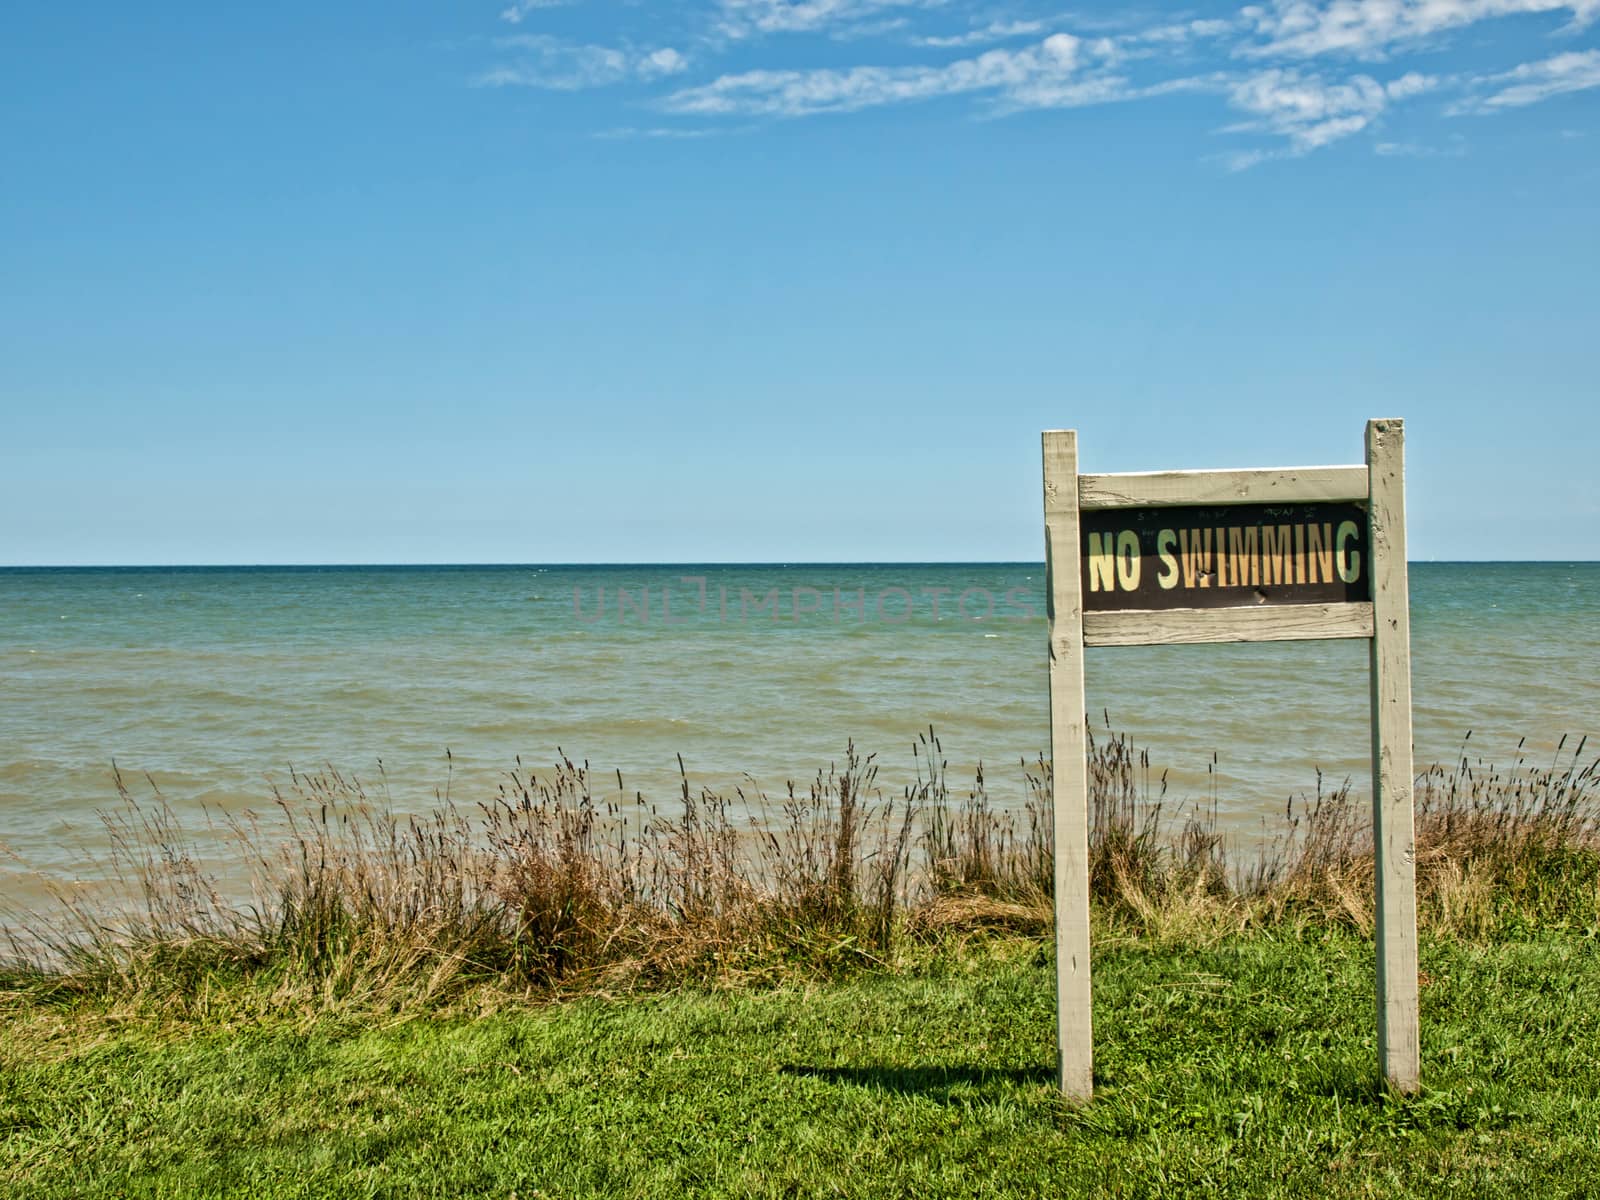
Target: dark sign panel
{"points": [[1224, 556]]}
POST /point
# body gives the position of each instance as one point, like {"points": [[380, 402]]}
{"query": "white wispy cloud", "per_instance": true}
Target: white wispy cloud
{"points": [[861, 31], [1574, 71], [517, 12], [1050, 63], [664, 61], [1309, 111], [1373, 29], [1298, 73], [1455, 147], [1177, 32], [1061, 71], [746, 18], [543, 61], [994, 31], [669, 133]]}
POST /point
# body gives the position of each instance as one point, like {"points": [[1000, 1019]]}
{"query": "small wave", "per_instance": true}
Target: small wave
{"points": [[22, 769]]}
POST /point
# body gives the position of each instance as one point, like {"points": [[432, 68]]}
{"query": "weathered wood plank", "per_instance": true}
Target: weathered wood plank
{"points": [[1069, 768], [1393, 822], [1161, 489], [1279, 623]]}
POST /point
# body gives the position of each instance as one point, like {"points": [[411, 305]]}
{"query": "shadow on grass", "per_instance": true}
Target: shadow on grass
{"points": [[934, 1082], [1351, 1083]]}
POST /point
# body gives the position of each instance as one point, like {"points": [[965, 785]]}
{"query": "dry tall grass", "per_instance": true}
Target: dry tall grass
{"points": [[548, 887], [1496, 849]]}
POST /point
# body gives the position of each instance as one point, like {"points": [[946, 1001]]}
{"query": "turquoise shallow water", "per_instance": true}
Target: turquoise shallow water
{"points": [[215, 680]]}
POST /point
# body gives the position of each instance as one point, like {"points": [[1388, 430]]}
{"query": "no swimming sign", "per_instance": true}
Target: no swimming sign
{"points": [[1257, 555], [1218, 557]]}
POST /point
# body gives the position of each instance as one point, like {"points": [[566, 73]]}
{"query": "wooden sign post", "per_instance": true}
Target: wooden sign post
{"points": [[1232, 556]]}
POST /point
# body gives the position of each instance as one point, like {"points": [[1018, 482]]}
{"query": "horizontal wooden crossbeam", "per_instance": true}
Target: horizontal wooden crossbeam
{"points": [[1165, 489], [1275, 623]]}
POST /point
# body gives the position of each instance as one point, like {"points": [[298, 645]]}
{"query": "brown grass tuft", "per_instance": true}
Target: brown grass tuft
{"points": [[549, 888]]}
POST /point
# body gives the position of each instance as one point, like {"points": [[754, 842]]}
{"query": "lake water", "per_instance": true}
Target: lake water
{"points": [[215, 680]]}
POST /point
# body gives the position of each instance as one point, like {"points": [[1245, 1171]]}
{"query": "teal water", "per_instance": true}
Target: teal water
{"points": [[215, 680]]}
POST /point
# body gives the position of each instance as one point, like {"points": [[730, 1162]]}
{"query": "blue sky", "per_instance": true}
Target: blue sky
{"points": [[762, 280]]}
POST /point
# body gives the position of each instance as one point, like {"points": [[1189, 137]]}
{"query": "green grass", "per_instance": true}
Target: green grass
{"points": [[1245, 1067]]}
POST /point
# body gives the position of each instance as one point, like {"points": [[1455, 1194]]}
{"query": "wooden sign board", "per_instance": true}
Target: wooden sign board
{"points": [[1232, 556]]}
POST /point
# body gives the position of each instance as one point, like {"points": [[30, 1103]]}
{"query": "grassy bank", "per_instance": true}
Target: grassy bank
{"points": [[565, 993], [1240, 1068]]}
